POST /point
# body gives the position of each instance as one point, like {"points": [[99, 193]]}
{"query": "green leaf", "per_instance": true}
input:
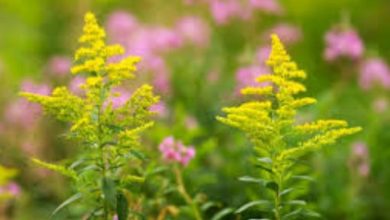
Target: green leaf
{"points": [[109, 191], [296, 202], [252, 179], [291, 214], [265, 160], [250, 204], [286, 191], [208, 205], [138, 154], [70, 200], [122, 207], [272, 185], [264, 168], [303, 177], [224, 212], [311, 213]]}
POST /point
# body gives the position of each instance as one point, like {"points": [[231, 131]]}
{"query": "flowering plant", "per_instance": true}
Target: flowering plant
{"points": [[279, 142], [108, 135]]}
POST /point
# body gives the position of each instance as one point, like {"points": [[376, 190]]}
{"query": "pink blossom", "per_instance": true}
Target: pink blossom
{"points": [[360, 159], [59, 66], [119, 96], [360, 149], [175, 151], [29, 86], [288, 33], [165, 39], [270, 6], [374, 71], [223, 10], [160, 108], [343, 43], [262, 54], [75, 85], [194, 30], [246, 76], [11, 189], [120, 25], [23, 113]]}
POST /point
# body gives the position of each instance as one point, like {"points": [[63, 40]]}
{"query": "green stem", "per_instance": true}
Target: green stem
{"points": [[277, 197], [183, 192]]}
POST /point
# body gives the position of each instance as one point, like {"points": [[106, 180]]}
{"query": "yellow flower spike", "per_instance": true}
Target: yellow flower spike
{"points": [[94, 122], [271, 126]]}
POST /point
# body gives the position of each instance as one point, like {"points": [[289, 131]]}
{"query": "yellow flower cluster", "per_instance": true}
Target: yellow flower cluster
{"points": [[92, 57], [92, 118], [268, 124]]}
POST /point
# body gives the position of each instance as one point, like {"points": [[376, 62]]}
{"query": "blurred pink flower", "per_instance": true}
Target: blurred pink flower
{"points": [[75, 85], [160, 108], [23, 113], [288, 33], [262, 54], [360, 159], [165, 39], [223, 10], [59, 66], [194, 30], [175, 151], [270, 6], [11, 189], [119, 96], [120, 25], [246, 76], [374, 71], [343, 43], [29, 86]]}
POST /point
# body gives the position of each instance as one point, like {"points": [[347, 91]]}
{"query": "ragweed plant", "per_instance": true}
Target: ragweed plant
{"points": [[279, 142], [111, 160]]}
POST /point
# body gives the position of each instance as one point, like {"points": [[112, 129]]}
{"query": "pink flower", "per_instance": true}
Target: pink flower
{"points": [[270, 6], [29, 86], [59, 66], [160, 108], [175, 151], [120, 25], [194, 30], [288, 33], [119, 96], [262, 54], [23, 113], [343, 43], [246, 76], [360, 159], [374, 71], [11, 189], [75, 85], [165, 39], [223, 10]]}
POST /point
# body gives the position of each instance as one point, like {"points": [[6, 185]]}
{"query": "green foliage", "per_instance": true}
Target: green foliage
{"points": [[109, 137], [279, 142]]}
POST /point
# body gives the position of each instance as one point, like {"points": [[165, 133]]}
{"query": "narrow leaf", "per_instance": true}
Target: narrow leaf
{"points": [[250, 204], [70, 200], [224, 212], [252, 179]]}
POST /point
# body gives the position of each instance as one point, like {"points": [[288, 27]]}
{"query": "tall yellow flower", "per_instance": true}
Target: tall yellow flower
{"points": [[269, 121]]}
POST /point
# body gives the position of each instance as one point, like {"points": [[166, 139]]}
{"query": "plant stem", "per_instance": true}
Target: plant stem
{"points": [[185, 195]]}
